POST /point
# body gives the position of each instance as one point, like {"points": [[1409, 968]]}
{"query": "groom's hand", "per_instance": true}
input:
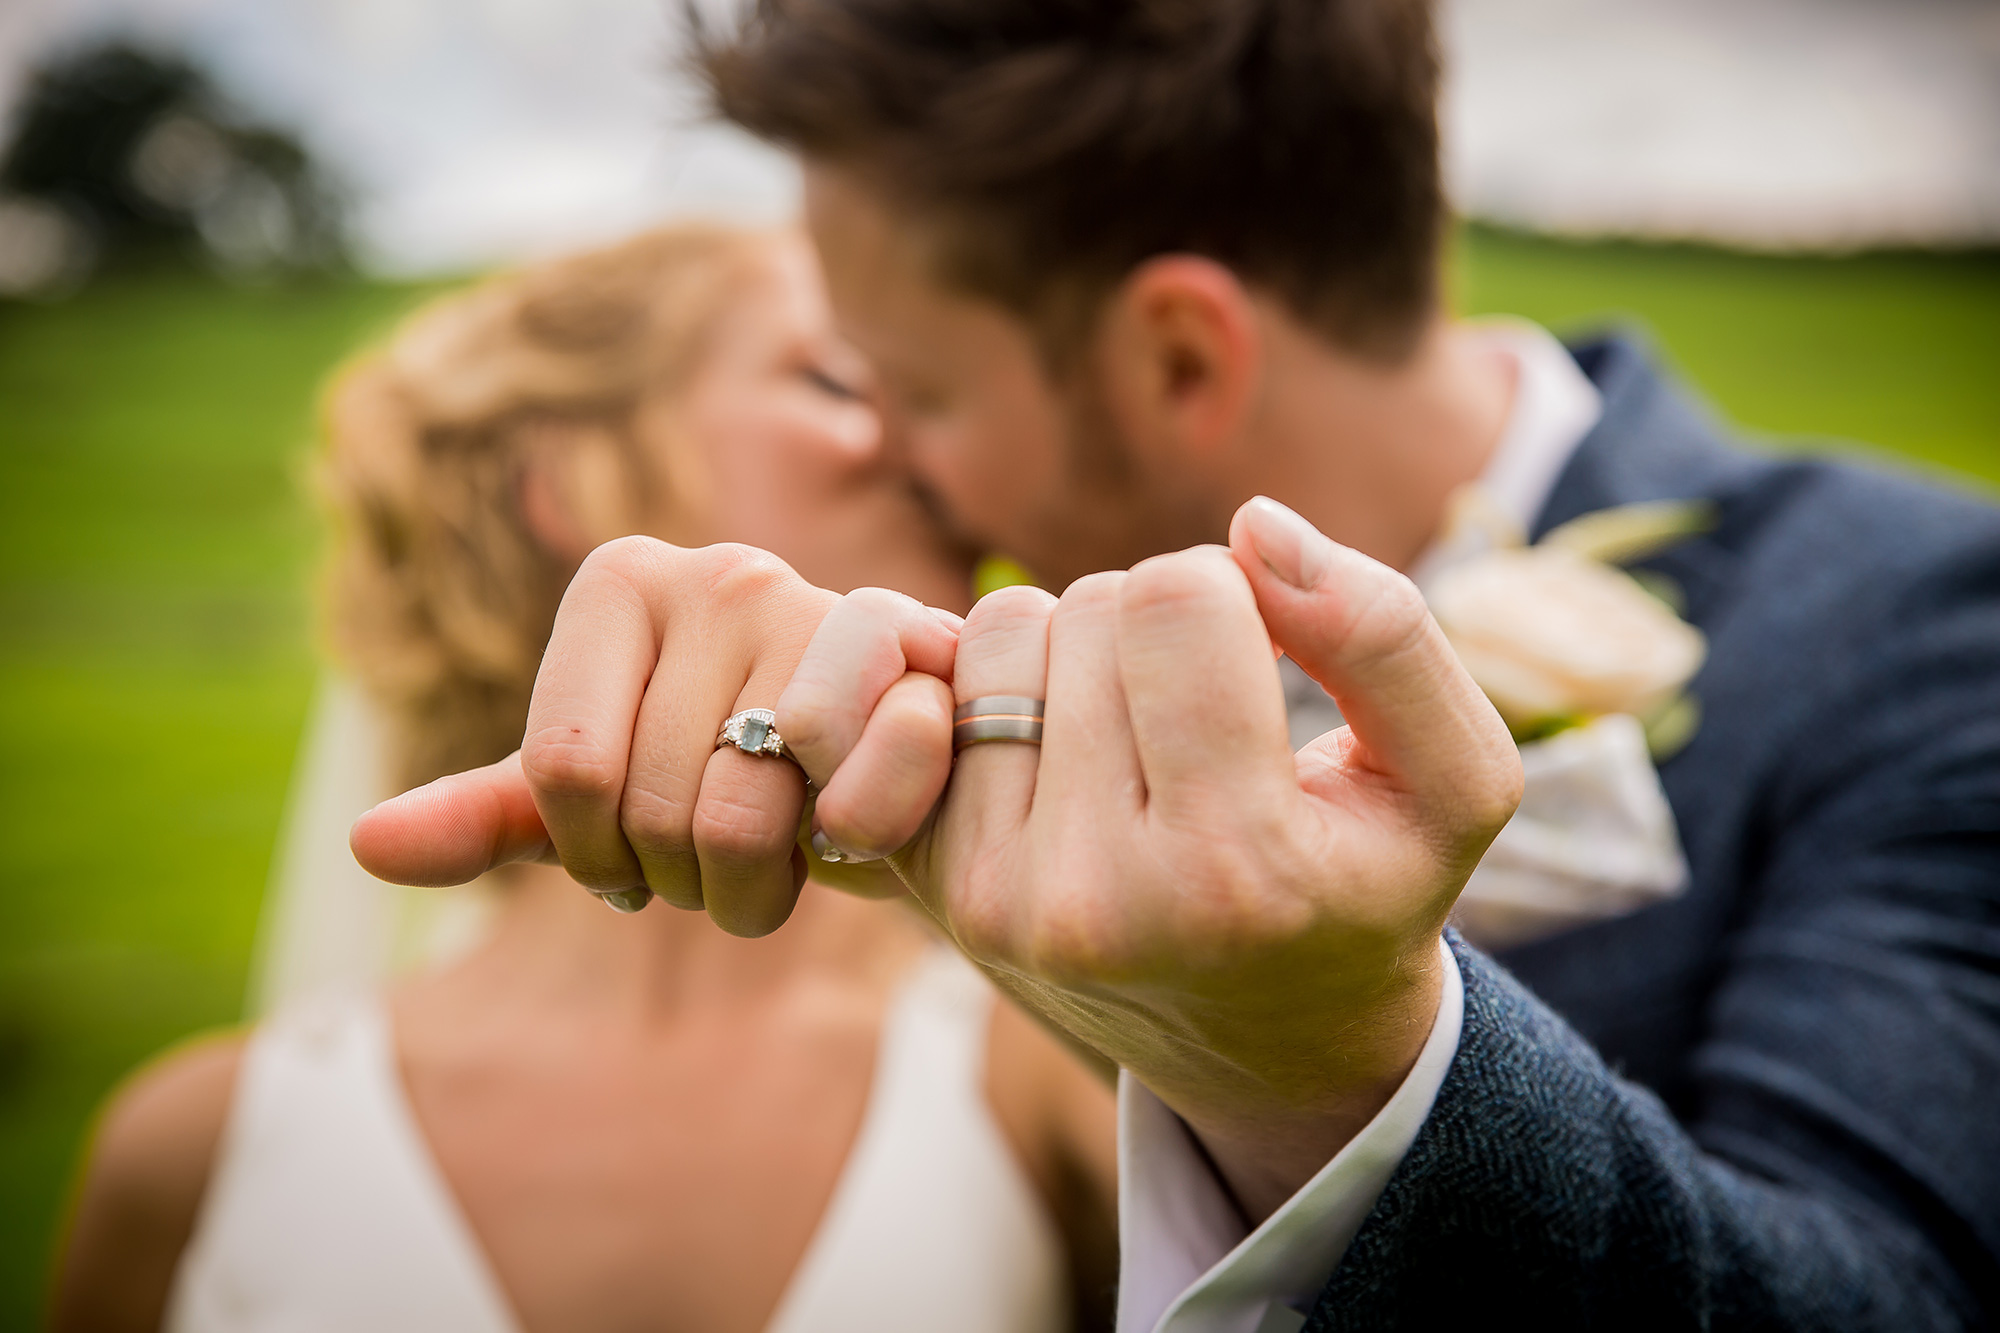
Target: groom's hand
{"points": [[618, 777], [1253, 934]]}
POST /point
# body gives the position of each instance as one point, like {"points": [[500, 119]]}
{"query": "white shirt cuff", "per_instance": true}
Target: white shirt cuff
{"points": [[1188, 1262]]}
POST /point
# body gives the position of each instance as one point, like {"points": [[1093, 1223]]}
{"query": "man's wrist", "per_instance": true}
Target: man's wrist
{"points": [[1189, 1260], [1266, 1145]]}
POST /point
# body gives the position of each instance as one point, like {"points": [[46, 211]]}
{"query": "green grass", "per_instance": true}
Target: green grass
{"points": [[155, 663], [156, 656], [1897, 351]]}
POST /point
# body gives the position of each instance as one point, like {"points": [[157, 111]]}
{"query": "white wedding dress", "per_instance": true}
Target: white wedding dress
{"points": [[327, 1212]]}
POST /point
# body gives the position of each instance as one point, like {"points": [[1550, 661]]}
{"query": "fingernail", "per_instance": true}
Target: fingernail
{"points": [[1292, 548], [824, 849], [627, 901]]}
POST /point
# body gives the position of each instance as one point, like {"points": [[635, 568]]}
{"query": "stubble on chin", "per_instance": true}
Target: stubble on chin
{"points": [[1104, 513], [1109, 512]]}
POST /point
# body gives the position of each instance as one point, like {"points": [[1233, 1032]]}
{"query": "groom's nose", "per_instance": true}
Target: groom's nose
{"points": [[897, 453], [893, 439]]}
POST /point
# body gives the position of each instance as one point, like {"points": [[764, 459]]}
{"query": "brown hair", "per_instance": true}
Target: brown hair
{"points": [[438, 596], [1056, 144]]}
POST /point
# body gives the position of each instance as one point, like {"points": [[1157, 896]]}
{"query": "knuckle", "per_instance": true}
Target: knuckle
{"points": [[1093, 594], [1230, 909], [569, 764], [1071, 942], [1494, 799], [1002, 628], [734, 831], [632, 560], [1389, 619], [882, 604], [1005, 607], [733, 570], [982, 917], [1184, 580], [658, 830]]}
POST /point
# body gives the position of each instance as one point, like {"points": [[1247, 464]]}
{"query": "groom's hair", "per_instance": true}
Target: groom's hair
{"points": [[1050, 146]]}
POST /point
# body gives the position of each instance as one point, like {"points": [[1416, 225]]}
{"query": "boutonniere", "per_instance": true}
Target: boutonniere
{"points": [[1559, 634]]}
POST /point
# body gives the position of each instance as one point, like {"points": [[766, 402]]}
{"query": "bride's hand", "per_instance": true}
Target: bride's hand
{"points": [[619, 779]]}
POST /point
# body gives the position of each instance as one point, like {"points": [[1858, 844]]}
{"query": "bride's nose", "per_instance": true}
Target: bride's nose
{"points": [[892, 438], [863, 434]]}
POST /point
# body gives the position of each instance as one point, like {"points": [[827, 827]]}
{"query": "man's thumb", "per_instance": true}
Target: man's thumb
{"points": [[454, 829], [1362, 631]]}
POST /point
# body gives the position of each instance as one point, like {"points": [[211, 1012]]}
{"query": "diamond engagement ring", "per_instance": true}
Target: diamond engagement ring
{"points": [[755, 731], [996, 717]]}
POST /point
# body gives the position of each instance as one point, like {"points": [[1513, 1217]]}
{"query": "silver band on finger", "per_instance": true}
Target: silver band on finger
{"points": [[996, 717]]}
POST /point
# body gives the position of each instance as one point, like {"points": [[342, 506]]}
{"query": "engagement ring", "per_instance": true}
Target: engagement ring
{"points": [[755, 731]]}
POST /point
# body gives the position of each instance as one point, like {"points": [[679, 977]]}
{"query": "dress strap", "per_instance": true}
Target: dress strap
{"points": [[326, 1209], [933, 1223]]}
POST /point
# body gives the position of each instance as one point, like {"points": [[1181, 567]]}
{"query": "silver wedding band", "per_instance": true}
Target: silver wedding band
{"points": [[996, 717]]}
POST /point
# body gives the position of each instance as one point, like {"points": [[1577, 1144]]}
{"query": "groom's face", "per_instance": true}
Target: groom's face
{"points": [[1016, 460]]}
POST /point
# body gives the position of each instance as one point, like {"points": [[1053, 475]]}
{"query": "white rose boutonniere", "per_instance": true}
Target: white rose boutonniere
{"points": [[1589, 665], [1558, 635]]}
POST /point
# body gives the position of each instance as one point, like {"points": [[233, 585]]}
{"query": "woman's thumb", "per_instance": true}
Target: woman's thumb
{"points": [[454, 829]]}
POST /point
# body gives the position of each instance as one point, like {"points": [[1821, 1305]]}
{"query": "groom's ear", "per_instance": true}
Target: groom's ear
{"points": [[1180, 353]]}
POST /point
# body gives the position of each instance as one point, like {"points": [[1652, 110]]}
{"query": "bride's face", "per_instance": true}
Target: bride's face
{"points": [[775, 444]]}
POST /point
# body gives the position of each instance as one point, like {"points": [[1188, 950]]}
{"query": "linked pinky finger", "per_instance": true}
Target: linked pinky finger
{"points": [[886, 787]]}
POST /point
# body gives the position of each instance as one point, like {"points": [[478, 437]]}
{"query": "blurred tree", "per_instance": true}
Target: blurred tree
{"points": [[119, 150]]}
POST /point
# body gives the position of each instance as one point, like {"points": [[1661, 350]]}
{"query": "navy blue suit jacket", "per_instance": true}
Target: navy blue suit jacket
{"points": [[1774, 1102]]}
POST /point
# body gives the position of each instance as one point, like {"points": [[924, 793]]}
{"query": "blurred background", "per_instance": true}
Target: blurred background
{"points": [[204, 204]]}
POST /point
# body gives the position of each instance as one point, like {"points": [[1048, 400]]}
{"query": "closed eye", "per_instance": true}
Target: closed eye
{"points": [[830, 386]]}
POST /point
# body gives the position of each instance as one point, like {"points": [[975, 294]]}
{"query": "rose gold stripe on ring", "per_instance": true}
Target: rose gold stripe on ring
{"points": [[996, 717]]}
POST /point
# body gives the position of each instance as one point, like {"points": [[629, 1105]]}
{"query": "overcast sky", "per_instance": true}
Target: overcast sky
{"points": [[480, 130]]}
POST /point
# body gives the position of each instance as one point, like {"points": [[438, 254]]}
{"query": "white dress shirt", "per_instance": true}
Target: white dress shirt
{"points": [[1188, 1261]]}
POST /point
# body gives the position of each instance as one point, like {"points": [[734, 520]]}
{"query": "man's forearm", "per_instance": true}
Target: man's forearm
{"points": [[1541, 1181]]}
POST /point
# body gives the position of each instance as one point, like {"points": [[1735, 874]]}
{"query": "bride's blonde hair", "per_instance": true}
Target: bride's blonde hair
{"points": [[438, 596]]}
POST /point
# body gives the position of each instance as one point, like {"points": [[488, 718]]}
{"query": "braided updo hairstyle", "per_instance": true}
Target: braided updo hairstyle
{"points": [[439, 598]]}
